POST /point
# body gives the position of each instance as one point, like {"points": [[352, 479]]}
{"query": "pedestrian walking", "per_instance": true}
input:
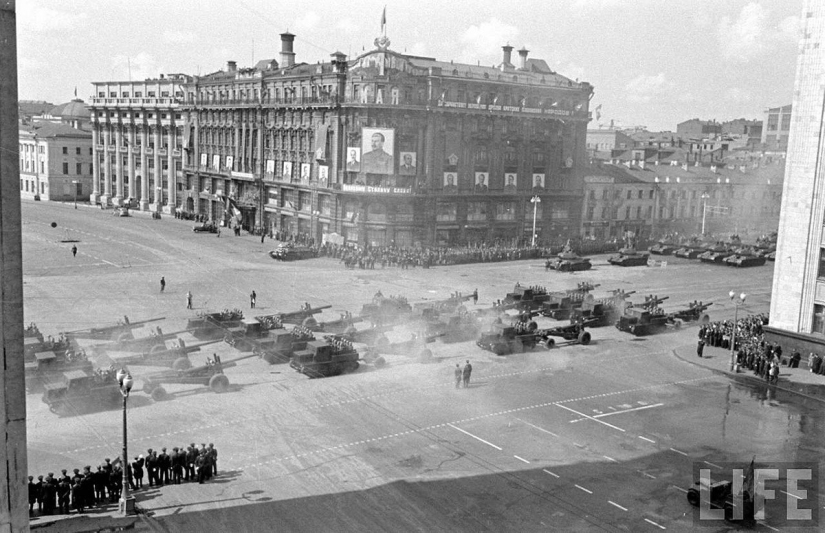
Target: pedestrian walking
{"points": [[700, 347], [458, 375], [189, 299], [263, 235], [252, 299], [475, 296], [468, 369], [218, 233], [74, 250], [162, 283]]}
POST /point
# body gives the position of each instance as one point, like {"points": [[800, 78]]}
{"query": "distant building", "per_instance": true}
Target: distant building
{"points": [[600, 142], [776, 128], [55, 162], [653, 200], [74, 114], [698, 128], [26, 109]]}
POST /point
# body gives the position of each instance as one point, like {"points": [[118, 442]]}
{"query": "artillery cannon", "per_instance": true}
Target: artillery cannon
{"points": [[574, 333], [280, 345], [210, 326], [385, 309], [119, 332], [210, 374], [176, 357], [142, 344], [300, 317], [374, 335], [526, 298], [560, 306], [601, 312], [333, 326], [695, 311]]}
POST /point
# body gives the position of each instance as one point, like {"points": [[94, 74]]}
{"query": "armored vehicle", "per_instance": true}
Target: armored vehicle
{"points": [[79, 390], [526, 298], [716, 254], [692, 249], [746, 258], [629, 257], [504, 339], [288, 251], [569, 261], [386, 310], [328, 357], [561, 305], [664, 246]]}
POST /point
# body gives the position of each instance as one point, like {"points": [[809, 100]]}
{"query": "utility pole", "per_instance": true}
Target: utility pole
{"points": [[14, 507]]}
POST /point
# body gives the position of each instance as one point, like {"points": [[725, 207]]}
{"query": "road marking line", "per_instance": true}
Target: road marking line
{"points": [[589, 417], [551, 473], [610, 459], [538, 428], [620, 412], [769, 527], [648, 475], [473, 436], [792, 495], [655, 524], [679, 489], [711, 464], [584, 489], [521, 459], [647, 439], [616, 505], [677, 451]]}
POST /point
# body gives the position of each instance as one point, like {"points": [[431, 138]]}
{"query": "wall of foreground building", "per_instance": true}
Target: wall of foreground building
{"points": [[798, 292]]}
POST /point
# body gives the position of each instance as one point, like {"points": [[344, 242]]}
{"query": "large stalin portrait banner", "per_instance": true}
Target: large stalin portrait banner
{"points": [[377, 150]]}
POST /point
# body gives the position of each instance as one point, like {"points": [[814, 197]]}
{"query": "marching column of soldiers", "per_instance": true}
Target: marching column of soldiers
{"points": [[88, 489]]}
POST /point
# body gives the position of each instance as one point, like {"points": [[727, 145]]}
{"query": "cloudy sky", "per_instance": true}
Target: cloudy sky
{"points": [[652, 62]]}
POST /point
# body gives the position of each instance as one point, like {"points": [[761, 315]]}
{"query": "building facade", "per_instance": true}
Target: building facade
{"points": [[55, 162], [698, 128], [388, 148], [776, 128], [137, 132], [797, 313]]}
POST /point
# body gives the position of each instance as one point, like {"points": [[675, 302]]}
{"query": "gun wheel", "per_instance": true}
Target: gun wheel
{"points": [[159, 394], [181, 363], [219, 383]]}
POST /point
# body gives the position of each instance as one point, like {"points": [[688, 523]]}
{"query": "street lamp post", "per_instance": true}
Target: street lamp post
{"points": [[535, 200], [127, 502], [737, 301], [705, 197], [75, 182]]}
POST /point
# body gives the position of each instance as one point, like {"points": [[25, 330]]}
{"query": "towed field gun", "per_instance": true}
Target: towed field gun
{"points": [[209, 375], [78, 390], [301, 316], [211, 326], [645, 318], [118, 332], [517, 337], [337, 326], [331, 356], [375, 335], [155, 339], [695, 311], [176, 357]]}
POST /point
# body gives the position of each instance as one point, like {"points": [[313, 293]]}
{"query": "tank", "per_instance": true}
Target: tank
{"points": [[692, 249], [568, 261], [665, 246], [628, 257], [716, 254], [746, 258]]}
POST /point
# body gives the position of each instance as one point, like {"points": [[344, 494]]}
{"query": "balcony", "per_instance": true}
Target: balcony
{"points": [[135, 102]]}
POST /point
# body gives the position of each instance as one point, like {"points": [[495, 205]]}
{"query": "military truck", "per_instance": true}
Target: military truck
{"points": [[280, 345], [80, 390], [561, 305], [386, 310], [331, 356], [49, 366], [596, 313], [526, 298], [642, 321], [504, 339]]}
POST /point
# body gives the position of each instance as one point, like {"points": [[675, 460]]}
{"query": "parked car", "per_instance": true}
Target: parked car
{"points": [[205, 227]]}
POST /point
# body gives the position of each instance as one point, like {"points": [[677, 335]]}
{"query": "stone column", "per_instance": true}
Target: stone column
{"points": [[170, 172], [118, 165], [107, 167], [158, 194], [132, 192], [144, 169], [95, 165], [14, 514]]}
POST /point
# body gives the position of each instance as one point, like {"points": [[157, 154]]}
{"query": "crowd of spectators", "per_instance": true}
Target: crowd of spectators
{"points": [[88, 489]]}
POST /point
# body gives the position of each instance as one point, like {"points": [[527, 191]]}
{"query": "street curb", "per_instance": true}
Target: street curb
{"points": [[745, 377]]}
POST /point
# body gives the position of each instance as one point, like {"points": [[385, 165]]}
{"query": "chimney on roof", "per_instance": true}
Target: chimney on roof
{"points": [[505, 60], [522, 58], [231, 66], [287, 55]]}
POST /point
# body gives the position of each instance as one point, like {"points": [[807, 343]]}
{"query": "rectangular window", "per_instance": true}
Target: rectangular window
{"points": [[446, 212], [506, 211], [477, 211], [77, 150], [65, 149], [819, 319], [627, 213], [79, 168], [641, 193], [65, 168], [629, 194]]}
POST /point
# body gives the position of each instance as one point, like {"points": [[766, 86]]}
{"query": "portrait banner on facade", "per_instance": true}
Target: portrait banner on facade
{"points": [[450, 180], [204, 160], [323, 174], [230, 161], [216, 162], [538, 181], [510, 181], [407, 165], [482, 181], [286, 172], [305, 170], [377, 150], [353, 159], [270, 166]]}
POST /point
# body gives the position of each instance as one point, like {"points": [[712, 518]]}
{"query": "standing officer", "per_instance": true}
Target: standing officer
{"points": [[458, 375], [163, 466], [74, 250], [252, 299], [468, 369], [475, 296], [189, 299], [700, 347], [162, 283]]}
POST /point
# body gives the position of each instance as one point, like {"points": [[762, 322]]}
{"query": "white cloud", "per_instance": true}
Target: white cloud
{"points": [[738, 95], [486, 39], [348, 26], [179, 37], [569, 69], [750, 34], [139, 67], [42, 19], [418, 49], [29, 64], [309, 21], [644, 88], [592, 5]]}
